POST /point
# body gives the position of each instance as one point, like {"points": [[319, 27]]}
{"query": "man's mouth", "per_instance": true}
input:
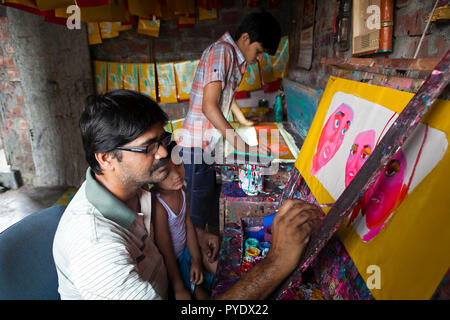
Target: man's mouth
{"points": [[160, 166]]}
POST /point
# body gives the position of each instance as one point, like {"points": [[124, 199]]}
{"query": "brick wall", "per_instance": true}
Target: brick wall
{"points": [[409, 23], [13, 125], [45, 75], [177, 44]]}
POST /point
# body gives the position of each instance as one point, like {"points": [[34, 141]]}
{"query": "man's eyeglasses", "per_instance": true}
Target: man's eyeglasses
{"points": [[152, 147]]}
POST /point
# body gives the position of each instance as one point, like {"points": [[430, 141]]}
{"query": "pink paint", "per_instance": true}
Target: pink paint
{"points": [[331, 137], [360, 151], [384, 195]]}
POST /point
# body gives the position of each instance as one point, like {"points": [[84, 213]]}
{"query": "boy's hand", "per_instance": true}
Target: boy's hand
{"points": [[196, 272]]}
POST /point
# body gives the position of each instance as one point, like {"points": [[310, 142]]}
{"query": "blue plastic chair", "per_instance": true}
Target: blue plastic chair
{"points": [[27, 269]]}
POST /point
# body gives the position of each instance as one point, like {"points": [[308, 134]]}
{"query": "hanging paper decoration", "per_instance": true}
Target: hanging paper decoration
{"points": [[147, 83], [267, 69], [149, 27], [182, 12], [204, 14], [251, 80], [184, 72], [122, 26], [114, 11], [187, 21], [46, 5], [130, 76], [115, 80], [94, 36], [168, 127], [167, 87], [400, 225], [100, 77], [145, 9], [108, 30], [281, 59], [209, 4]]}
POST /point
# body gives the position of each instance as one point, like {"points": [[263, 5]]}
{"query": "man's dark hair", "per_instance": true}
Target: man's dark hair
{"points": [[115, 118], [262, 27]]}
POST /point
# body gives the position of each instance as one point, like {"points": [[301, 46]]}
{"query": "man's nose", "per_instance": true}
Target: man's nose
{"points": [[161, 152]]}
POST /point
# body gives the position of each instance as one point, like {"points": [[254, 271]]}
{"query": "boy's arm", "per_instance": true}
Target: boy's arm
{"points": [[164, 243], [239, 115], [211, 109]]}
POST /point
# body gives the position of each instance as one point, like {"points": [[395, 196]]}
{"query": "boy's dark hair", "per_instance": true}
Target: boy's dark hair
{"points": [[262, 27], [114, 119]]}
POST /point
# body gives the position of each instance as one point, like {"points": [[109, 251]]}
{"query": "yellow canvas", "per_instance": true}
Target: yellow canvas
{"points": [[400, 226], [167, 87], [184, 71], [115, 80], [251, 80], [100, 77], [147, 82], [130, 76], [280, 61], [267, 69]]}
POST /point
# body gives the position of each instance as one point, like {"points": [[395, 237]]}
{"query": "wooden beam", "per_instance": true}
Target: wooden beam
{"points": [[381, 65]]}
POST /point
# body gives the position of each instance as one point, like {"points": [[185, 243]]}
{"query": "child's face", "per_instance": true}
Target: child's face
{"points": [[175, 179]]}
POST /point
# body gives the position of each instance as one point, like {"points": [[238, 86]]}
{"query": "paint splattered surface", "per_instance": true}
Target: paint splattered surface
{"points": [[332, 275]]}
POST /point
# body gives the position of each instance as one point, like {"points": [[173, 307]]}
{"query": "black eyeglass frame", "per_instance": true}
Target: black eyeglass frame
{"points": [[151, 148]]}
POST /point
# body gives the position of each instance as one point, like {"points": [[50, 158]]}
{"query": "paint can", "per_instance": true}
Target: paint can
{"points": [[250, 179]]}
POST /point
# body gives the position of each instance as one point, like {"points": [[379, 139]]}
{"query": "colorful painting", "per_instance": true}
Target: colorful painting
{"points": [[100, 77], [130, 76], [302, 103], [167, 87], [115, 81], [251, 80], [280, 61], [147, 82], [400, 223], [266, 68], [185, 72]]}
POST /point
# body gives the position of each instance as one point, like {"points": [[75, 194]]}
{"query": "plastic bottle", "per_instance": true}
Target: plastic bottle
{"points": [[278, 109]]}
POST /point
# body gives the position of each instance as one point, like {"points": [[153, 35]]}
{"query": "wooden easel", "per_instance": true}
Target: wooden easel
{"points": [[394, 138]]}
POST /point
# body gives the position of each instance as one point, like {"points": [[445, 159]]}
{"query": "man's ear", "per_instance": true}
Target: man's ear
{"points": [[105, 160], [245, 37]]}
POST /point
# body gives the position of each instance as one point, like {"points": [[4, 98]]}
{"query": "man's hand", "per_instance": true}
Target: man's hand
{"points": [[209, 244], [291, 229]]}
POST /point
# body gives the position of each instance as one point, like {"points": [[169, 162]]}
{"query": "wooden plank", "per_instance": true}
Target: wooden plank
{"points": [[381, 65], [394, 138]]}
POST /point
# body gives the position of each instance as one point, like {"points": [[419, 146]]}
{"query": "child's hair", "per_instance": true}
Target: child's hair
{"points": [[261, 27]]}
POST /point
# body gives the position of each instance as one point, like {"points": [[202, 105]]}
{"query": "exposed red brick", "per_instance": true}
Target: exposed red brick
{"points": [[9, 49], [3, 35], [14, 113], [8, 62], [20, 100], [13, 75], [23, 124]]}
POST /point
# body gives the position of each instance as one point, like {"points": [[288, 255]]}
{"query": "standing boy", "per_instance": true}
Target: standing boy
{"points": [[216, 80]]}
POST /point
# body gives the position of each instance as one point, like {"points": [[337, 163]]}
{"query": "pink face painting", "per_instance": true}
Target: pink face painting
{"points": [[332, 136], [385, 195], [360, 151]]}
